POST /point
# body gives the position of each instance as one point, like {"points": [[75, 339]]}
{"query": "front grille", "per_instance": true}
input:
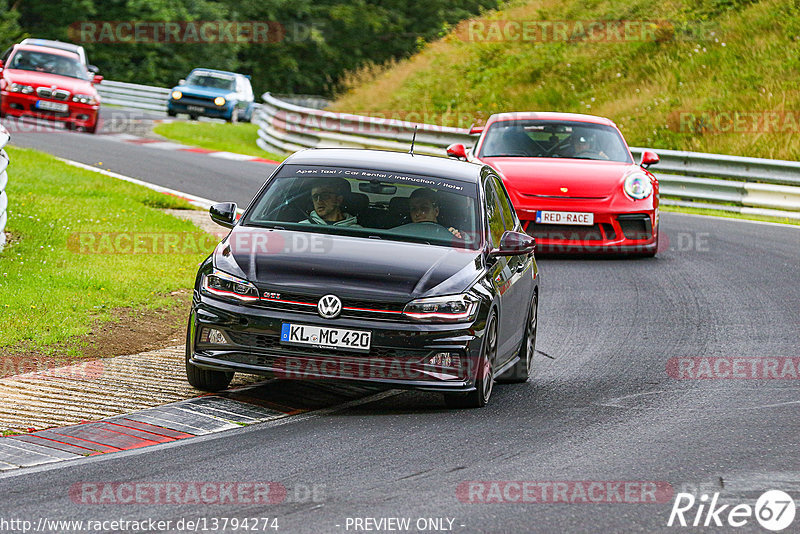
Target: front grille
{"points": [[272, 343], [356, 308], [636, 225], [565, 232], [57, 94], [197, 101], [560, 197]]}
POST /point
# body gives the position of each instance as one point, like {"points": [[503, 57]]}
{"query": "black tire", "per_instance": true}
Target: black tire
{"points": [[192, 117], [522, 369], [171, 113], [484, 379], [204, 379], [93, 129]]}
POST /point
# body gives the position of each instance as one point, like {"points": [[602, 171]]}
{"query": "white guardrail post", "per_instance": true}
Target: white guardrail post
{"points": [[4, 137], [730, 183], [133, 95]]}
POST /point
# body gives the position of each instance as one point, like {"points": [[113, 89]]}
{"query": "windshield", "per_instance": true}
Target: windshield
{"points": [[370, 203], [211, 79], [554, 139], [49, 63]]}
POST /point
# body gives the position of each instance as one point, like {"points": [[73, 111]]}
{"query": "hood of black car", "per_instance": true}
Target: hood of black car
{"points": [[309, 263]]}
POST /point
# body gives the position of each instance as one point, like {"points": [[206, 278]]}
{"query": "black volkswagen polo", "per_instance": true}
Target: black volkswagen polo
{"points": [[373, 266]]}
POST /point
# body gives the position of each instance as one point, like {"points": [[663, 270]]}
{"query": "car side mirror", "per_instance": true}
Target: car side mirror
{"points": [[97, 79], [181, 81], [649, 158], [1, 64], [457, 150], [93, 69], [514, 244], [224, 214]]}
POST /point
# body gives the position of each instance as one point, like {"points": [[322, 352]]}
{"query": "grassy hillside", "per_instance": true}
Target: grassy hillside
{"points": [[710, 75]]}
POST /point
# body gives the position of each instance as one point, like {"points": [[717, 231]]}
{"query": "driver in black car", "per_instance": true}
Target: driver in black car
{"points": [[424, 208]]}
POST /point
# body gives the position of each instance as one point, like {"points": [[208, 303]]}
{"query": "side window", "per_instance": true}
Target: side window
{"points": [[509, 217], [493, 213]]}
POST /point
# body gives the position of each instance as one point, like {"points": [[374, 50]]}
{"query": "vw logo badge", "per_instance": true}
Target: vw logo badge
{"points": [[329, 306]]}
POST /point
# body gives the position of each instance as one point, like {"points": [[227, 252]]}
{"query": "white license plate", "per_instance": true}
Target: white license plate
{"points": [[565, 217], [196, 108], [322, 336], [51, 106]]}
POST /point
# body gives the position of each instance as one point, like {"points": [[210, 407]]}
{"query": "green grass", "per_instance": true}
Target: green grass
{"points": [[714, 56], [239, 138], [729, 214], [49, 290]]}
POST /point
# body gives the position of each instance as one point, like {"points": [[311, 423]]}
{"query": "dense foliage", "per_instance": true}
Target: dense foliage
{"points": [[312, 42]]}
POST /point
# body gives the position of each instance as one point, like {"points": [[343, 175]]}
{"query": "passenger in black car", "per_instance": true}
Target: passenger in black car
{"points": [[328, 195]]}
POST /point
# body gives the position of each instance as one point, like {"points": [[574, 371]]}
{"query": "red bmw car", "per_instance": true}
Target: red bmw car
{"points": [[48, 83], [573, 181]]}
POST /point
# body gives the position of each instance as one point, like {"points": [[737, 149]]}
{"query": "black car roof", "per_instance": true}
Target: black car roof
{"points": [[388, 161]]}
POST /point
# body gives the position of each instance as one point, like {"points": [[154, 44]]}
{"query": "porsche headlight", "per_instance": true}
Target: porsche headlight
{"points": [[176, 95], [219, 101], [226, 286], [19, 88], [637, 186], [442, 309]]}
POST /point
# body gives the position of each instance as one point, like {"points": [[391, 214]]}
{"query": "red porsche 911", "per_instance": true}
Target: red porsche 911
{"points": [[573, 181]]}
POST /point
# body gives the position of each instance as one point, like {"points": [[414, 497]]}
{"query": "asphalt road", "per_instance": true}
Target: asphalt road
{"points": [[601, 406]]}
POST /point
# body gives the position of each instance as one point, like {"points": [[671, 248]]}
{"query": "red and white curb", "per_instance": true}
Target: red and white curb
{"points": [[210, 414], [169, 145]]}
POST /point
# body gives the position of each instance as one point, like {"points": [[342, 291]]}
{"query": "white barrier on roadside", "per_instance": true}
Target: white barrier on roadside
{"points": [[4, 137], [133, 95]]}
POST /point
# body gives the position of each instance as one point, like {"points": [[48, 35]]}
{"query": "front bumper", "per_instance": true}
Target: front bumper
{"points": [[204, 108], [21, 105], [620, 226], [399, 354]]}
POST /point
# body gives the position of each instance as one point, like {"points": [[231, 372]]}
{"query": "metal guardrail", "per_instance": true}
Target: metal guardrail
{"points": [[730, 183], [4, 137], [133, 95]]}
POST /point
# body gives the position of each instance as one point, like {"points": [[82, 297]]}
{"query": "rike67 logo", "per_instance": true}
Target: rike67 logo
{"points": [[774, 510]]}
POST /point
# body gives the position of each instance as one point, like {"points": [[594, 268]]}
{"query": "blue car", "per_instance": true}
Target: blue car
{"points": [[213, 93]]}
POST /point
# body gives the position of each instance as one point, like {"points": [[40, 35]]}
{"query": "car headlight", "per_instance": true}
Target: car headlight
{"points": [[19, 88], [176, 95], [637, 186], [224, 285], [219, 101], [443, 309], [84, 99]]}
